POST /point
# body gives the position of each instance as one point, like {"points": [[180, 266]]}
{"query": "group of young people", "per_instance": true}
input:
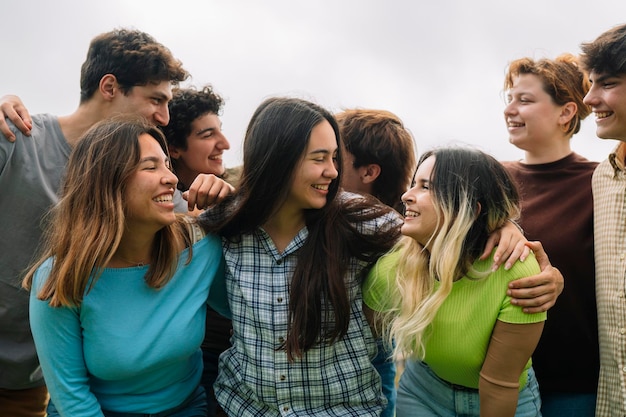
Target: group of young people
{"points": [[314, 276]]}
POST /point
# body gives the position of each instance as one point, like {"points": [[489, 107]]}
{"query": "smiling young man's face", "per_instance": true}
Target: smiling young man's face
{"points": [[607, 98], [149, 101], [205, 147]]}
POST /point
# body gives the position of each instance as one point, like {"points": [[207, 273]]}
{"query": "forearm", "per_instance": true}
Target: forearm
{"points": [[497, 398], [509, 350]]}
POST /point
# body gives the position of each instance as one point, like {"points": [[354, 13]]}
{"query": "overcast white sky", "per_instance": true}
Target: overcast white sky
{"points": [[439, 65]]}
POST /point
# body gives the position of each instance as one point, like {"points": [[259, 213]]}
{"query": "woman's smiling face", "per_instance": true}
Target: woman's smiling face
{"points": [[421, 220]]}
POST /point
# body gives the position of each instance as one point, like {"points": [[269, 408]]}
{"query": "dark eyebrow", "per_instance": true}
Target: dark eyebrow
{"points": [[601, 78], [160, 96], [153, 159], [320, 152], [208, 129], [323, 151]]}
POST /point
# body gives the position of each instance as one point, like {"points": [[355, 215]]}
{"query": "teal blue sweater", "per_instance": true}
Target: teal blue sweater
{"points": [[129, 347]]}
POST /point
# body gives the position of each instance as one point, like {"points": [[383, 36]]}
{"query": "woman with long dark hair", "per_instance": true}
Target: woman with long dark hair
{"points": [[296, 250]]}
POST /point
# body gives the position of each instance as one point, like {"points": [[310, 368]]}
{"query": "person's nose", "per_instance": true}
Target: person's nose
{"points": [[162, 116]]}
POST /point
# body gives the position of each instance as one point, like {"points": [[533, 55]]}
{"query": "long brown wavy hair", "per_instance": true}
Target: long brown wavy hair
{"points": [[87, 224]]}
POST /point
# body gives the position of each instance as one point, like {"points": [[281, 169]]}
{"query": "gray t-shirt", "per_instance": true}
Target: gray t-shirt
{"points": [[30, 176], [180, 204]]}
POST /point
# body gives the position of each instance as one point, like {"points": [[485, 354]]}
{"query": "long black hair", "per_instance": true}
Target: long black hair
{"points": [[275, 141]]}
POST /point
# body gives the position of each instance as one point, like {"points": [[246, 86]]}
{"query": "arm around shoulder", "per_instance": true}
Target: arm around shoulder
{"points": [[539, 292]]}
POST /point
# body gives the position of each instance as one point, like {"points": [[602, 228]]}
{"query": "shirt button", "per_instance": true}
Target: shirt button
{"points": [[280, 261], [279, 299], [622, 331], [281, 339], [285, 409], [283, 377], [620, 294], [624, 369], [621, 256]]}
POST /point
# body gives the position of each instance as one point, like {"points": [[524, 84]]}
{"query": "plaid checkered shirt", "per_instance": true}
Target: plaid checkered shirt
{"points": [[255, 377], [609, 195]]}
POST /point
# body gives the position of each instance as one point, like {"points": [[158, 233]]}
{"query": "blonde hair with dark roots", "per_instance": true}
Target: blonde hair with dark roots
{"points": [[473, 195], [87, 224]]}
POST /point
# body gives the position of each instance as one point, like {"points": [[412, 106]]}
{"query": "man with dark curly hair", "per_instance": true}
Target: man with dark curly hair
{"points": [[194, 134], [196, 144]]}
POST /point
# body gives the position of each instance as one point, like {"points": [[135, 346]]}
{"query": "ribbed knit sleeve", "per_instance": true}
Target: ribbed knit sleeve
{"points": [[377, 288]]}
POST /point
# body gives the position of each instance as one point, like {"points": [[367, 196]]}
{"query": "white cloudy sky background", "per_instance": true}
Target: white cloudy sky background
{"points": [[439, 65]]}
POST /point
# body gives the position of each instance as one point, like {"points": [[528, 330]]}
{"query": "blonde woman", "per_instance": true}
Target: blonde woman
{"points": [[468, 347]]}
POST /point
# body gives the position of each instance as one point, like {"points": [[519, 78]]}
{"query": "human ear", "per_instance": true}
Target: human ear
{"points": [[108, 86], [477, 212], [370, 173], [567, 113], [174, 152]]}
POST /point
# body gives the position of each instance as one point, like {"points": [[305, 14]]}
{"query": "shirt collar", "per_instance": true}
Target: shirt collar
{"points": [[268, 244], [616, 158]]}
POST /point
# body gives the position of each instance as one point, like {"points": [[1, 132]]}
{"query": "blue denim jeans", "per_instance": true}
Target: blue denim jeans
{"points": [[422, 393], [568, 404], [387, 370], [209, 375], [193, 406]]}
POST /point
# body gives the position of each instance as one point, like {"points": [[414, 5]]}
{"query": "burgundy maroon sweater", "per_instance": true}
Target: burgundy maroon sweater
{"points": [[557, 209]]}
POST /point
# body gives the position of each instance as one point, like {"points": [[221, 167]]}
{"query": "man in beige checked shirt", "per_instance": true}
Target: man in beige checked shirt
{"points": [[605, 59]]}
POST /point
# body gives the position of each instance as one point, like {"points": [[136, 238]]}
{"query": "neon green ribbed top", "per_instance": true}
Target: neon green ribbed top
{"points": [[459, 335]]}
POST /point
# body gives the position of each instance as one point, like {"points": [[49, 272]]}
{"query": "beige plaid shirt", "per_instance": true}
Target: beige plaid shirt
{"points": [[609, 194]]}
